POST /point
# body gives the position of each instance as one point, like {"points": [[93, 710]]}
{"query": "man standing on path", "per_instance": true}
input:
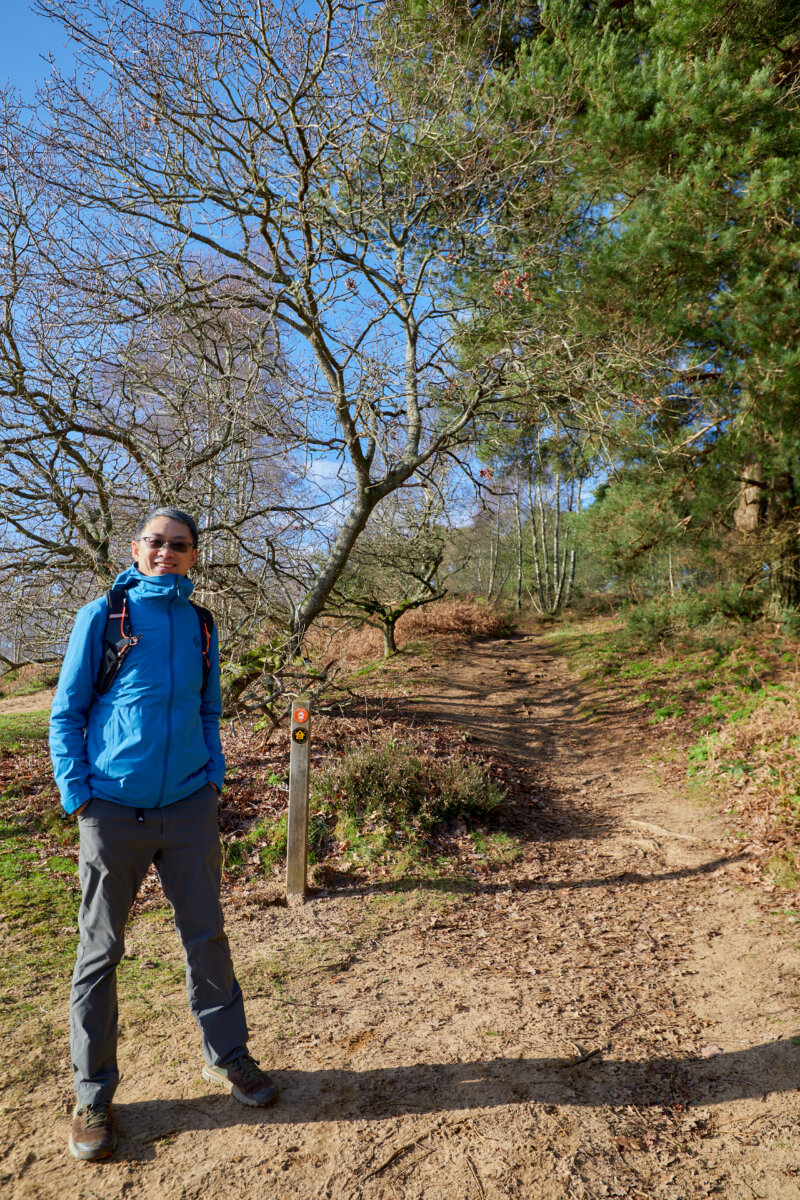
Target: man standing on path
{"points": [[141, 764]]}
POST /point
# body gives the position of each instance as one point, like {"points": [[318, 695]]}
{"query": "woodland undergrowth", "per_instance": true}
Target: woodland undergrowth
{"points": [[723, 696], [389, 797]]}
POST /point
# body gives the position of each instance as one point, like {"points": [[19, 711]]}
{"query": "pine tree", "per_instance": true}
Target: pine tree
{"points": [[654, 281]]}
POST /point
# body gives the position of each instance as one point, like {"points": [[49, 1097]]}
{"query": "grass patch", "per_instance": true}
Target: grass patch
{"points": [[266, 839], [37, 891], [704, 675], [664, 712], [39, 899], [37, 685], [29, 679], [757, 751], [17, 728], [499, 847]]}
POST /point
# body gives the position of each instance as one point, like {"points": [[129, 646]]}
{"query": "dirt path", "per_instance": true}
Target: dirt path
{"points": [[37, 702], [610, 1016]]}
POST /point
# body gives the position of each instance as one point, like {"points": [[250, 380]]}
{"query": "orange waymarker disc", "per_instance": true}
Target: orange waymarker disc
{"points": [[300, 715]]}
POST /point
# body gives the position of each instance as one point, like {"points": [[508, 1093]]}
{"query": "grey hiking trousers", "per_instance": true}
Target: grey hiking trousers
{"points": [[118, 844]]}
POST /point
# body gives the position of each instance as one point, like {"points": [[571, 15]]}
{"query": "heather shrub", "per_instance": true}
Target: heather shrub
{"points": [[395, 782], [385, 797]]}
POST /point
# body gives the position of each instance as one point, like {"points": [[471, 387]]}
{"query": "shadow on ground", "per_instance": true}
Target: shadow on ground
{"points": [[348, 885], [352, 1095]]}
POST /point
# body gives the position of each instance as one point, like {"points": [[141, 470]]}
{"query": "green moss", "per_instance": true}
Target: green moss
{"points": [[498, 847], [783, 869], [267, 836]]}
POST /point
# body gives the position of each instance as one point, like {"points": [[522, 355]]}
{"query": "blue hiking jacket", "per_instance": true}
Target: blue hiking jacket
{"points": [[152, 738]]}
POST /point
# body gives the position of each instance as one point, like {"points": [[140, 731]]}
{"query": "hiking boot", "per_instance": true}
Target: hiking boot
{"points": [[245, 1081], [92, 1133]]}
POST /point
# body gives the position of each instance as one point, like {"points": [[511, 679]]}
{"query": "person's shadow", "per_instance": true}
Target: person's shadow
{"points": [[352, 1095]]}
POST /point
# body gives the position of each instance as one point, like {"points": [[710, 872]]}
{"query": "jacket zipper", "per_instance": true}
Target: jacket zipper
{"points": [[170, 606]]}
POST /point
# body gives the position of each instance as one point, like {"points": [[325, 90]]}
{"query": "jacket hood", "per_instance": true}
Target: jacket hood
{"points": [[154, 584]]}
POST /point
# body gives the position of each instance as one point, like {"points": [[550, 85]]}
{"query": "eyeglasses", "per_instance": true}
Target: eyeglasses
{"points": [[179, 546]]}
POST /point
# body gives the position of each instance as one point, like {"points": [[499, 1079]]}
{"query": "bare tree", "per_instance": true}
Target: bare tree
{"points": [[266, 157], [396, 565], [103, 417]]}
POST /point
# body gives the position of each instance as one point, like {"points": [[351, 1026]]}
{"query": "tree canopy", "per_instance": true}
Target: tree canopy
{"points": [[280, 260], [668, 316]]}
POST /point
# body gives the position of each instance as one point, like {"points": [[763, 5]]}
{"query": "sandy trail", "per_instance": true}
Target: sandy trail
{"points": [[610, 1015], [37, 702]]}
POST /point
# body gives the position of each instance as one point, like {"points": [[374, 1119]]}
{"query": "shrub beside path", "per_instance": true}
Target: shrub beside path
{"points": [[610, 1014]]}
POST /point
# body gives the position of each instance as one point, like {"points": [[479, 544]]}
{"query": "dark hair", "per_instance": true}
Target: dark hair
{"points": [[174, 514]]}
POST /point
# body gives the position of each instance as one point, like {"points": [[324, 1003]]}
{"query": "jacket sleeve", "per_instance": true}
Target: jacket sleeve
{"points": [[210, 713], [73, 699]]}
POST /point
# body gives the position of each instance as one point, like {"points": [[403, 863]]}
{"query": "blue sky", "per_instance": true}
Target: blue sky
{"points": [[25, 38]]}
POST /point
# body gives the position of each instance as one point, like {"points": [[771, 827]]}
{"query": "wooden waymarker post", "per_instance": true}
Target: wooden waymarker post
{"points": [[297, 840]]}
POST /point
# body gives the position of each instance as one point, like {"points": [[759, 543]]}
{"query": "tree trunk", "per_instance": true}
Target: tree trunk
{"points": [[494, 552], [316, 596], [518, 518], [539, 601], [556, 545], [560, 597], [547, 590], [571, 579], [749, 513], [782, 515], [785, 574], [387, 627]]}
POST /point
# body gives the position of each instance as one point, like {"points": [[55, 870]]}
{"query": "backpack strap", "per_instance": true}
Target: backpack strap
{"points": [[117, 638], [206, 630]]}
